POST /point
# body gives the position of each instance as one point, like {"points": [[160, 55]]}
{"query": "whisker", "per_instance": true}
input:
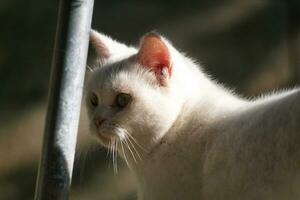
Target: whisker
{"points": [[113, 154], [107, 151], [139, 145], [110, 153], [125, 158], [137, 153], [116, 155], [99, 64], [125, 139], [89, 68]]}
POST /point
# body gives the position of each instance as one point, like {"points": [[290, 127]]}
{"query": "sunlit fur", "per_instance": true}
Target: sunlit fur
{"points": [[192, 138]]}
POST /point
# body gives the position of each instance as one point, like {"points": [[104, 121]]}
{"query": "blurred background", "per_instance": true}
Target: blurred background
{"points": [[252, 46]]}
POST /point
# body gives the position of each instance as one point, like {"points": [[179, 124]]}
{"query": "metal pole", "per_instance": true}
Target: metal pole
{"points": [[67, 77]]}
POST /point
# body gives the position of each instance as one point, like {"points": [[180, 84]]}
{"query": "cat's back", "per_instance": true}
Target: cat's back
{"points": [[255, 153]]}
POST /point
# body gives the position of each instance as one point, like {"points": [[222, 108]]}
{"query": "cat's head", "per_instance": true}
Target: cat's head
{"points": [[131, 92]]}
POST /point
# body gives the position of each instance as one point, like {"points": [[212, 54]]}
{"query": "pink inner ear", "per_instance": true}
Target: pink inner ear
{"points": [[154, 54]]}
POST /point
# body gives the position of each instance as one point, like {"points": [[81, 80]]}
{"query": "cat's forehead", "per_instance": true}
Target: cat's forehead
{"points": [[119, 76]]}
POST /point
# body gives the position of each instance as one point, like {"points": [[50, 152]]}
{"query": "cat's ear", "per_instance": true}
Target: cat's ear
{"points": [[104, 49], [154, 54]]}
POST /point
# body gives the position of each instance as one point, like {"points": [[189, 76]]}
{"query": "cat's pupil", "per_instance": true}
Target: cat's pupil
{"points": [[94, 100], [122, 100]]}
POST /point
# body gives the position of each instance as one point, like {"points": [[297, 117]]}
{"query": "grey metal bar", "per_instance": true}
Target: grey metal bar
{"points": [[67, 77]]}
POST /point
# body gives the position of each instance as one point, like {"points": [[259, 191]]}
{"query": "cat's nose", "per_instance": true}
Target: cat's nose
{"points": [[98, 121]]}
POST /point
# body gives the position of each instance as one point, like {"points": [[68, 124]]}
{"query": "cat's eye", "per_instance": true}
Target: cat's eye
{"points": [[94, 99], [122, 100]]}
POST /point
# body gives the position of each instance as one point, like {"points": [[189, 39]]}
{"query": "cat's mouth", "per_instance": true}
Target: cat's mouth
{"points": [[105, 138], [109, 133]]}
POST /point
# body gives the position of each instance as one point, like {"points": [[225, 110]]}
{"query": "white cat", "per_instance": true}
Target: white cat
{"points": [[185, 136]]}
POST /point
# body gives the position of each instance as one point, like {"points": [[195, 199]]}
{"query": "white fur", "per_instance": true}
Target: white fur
{"points": [[117, 51], [202, 141]]}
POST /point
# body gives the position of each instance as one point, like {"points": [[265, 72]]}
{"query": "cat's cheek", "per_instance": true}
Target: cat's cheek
{"points": [[93, 129]]}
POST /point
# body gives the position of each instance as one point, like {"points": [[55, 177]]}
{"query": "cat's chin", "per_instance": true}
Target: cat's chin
{"points": [[104, 139]]}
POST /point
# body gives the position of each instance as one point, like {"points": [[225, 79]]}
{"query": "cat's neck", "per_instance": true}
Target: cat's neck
{"points": [[203, 98], [203, 101]]}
